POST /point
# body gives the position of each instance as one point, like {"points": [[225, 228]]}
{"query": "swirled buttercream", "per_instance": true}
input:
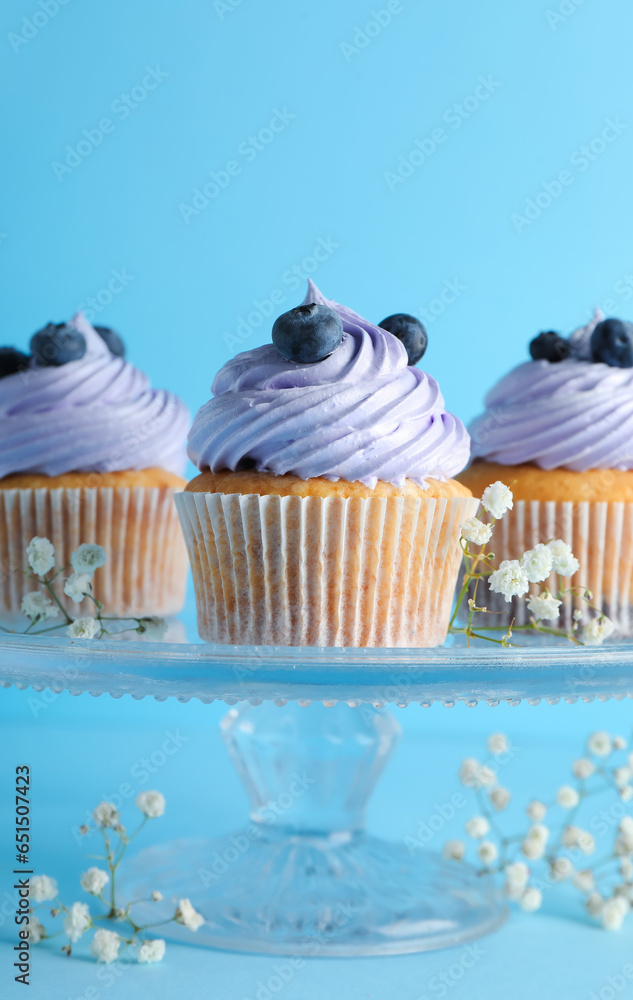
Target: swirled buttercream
{"points": [[573, 414], [361, 414], [99, 414]]}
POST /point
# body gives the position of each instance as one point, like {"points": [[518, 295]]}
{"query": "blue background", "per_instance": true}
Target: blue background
{"points": [[195, 282]]}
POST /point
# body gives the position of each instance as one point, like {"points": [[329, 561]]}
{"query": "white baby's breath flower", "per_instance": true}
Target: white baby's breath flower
{"points": [[477, 827], [454, 850], [106, 815], [583, 768], [468, 772], [77, 586], [584, 880], [500, 797], [509, 580], [76, 921], [536, 811], [569, 836], [153, 628], [533, 850], [474, 530], [626, 869], [626, 825], [538, 832], [94, 881], [37, 931], [531, 900], [544, 607], [84, 628], [533, 847], [485, 776], [186, 915], [41, 555], [599, 744], [561, 869], [567, 797], [626, 793], [574, 836], [594, 904], [88, 558], [536, 563], [151, 804], [596, 631], [586, 842], [577, 615], [42, 888], [619, 743], [517, 874], [624, 843], [105, 946], [498, 743], [487, 852], [157, 896], [613, 913], [497, 499], [152, 951], [513, 892], [623, 846], [38, 607], [622, 776], [564, 561]]}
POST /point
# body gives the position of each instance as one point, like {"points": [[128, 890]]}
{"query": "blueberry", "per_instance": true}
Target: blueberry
{"points": [[612, 343], [549, 346], [410, 331], [308, 333], [12, 361], [112, 339], [57, 344]]}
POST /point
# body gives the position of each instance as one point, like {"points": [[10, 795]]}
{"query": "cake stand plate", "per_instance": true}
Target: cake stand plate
{"points": [[303, 877]]}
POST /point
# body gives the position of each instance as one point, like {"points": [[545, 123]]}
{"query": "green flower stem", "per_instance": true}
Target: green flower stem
{"points": [[476, 635], [128, 840], [159, 923], [59, 604]]}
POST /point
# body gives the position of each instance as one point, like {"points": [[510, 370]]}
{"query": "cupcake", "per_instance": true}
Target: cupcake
{"points": [[325, 512], [558, 430], [89, 452]]}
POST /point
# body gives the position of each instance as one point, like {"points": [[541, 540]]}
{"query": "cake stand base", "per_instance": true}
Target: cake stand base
{"points": [[304, 878]]}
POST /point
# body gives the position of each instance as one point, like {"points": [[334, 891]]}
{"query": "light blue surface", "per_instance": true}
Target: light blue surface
{"points": [[229, 66], [84, 749]]}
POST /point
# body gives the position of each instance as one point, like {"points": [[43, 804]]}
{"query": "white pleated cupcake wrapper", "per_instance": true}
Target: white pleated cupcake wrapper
{"points": [[601, 538], [146, 569], [323, 571]]}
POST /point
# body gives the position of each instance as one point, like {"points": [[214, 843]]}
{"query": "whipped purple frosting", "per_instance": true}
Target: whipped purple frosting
{"points": [[97, 414], [573, 414], [361, 414]]}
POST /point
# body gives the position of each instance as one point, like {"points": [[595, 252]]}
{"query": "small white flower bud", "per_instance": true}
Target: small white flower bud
{"points": [[454, 850], [477, 827]]}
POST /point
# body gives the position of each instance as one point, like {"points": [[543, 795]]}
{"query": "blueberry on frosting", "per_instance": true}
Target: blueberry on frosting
{"points": [[410, 331], [112, 339], [12, 361], [57, 344], [308, 333], [612, 343], [549, 346]]}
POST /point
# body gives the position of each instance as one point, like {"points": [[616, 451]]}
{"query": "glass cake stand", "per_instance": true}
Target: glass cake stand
{"points": [[310, 735]]}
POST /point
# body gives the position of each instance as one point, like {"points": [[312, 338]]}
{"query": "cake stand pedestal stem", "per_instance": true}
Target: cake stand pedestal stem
{"points": [[303, 877]]}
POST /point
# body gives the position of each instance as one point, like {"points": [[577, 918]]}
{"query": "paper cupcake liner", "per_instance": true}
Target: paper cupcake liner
{"points": [[323, 571], [601, 538], [146, 570]]}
